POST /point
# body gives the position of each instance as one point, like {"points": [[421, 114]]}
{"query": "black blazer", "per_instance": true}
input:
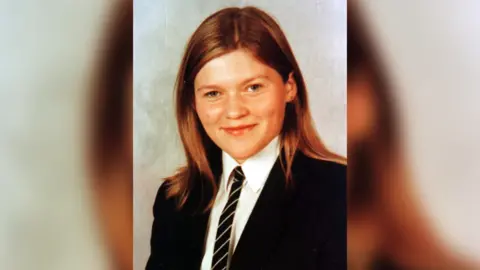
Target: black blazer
{"points": [[300, 227]]}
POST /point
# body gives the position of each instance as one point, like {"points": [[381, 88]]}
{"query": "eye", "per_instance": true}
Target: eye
{"points": [[212, 94], [255, 87]]}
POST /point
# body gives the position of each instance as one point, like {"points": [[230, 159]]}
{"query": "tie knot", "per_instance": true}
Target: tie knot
{"points": [[238, 175]]}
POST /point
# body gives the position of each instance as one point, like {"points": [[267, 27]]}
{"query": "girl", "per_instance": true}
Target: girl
{"points": [[260, 190]]}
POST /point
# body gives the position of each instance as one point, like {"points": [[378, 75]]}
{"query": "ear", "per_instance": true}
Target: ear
{"points": [[291, 88]]}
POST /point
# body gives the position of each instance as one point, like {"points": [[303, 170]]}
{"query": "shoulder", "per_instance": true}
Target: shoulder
{"points": [[162, 191], [320, 176], [324, 168], [163, 204], [327, 171], [169, 201]]}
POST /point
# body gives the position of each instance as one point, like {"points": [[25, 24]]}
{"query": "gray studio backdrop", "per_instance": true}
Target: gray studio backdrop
{"points": [[316, 30]]}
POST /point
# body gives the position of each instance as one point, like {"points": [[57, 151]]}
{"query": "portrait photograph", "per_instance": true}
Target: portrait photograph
{"points": [[239, 138]]}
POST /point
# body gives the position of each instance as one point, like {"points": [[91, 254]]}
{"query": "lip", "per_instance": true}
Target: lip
{"points": [[239, 130]]}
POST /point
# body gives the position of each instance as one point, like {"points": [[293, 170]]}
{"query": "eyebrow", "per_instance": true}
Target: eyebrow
{"points": [[246, 81]]}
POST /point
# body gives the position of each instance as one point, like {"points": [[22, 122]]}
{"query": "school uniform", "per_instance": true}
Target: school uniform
{"points": [[269, 225]]}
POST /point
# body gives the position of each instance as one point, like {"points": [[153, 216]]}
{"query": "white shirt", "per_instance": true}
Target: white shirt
{"points": [[256, 170]]}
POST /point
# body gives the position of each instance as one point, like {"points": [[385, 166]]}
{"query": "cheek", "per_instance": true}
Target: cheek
{"points": [[271, 108], [209, 114]]}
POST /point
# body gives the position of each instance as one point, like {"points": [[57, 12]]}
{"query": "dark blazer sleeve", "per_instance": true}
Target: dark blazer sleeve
{"points": [[161, 242], [332, 226]]}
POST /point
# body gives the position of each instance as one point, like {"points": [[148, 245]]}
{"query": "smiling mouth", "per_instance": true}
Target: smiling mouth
{"points": [[238, 130]]}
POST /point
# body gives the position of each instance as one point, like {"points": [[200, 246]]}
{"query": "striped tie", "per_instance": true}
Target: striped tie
{"points": [[224, 229]]}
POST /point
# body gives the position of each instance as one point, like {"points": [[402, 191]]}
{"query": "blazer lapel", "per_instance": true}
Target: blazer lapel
{"points": [[265, 224]]}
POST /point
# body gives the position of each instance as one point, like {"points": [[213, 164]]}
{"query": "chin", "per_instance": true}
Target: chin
{"points": [[241, 155], [241, 148]]}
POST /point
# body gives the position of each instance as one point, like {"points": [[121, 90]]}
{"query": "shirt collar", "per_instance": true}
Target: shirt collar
{"points": [[256, 168]]}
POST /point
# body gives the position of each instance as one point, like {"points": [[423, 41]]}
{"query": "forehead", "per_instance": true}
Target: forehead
{"points": [[232, 67]]}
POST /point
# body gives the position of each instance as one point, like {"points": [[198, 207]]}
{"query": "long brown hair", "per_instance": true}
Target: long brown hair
{"points": [[229, 29]]}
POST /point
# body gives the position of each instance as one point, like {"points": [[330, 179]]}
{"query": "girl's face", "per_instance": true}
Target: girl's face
{"points": [[241, 102]]}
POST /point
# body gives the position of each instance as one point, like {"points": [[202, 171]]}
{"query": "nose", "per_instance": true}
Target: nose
{"points": [[235, 106]]}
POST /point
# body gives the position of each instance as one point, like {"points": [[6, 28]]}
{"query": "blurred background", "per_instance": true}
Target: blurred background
{"points": [[426, 51], [49, 53], [413, 134]]}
